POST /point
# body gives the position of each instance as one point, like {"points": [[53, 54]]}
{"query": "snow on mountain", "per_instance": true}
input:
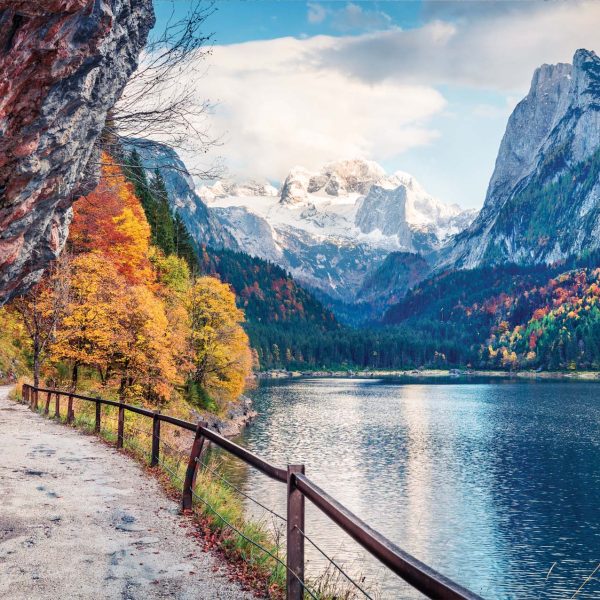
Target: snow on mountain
{"points": [[333, 227]]}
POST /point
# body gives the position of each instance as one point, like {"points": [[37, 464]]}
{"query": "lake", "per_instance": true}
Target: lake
{"points": [[495, 484]]}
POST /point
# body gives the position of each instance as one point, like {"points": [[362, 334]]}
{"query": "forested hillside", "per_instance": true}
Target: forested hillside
{"points": [[510, 316]]}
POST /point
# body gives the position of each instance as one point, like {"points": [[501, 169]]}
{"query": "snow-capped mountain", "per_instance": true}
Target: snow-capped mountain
{"points": [[334, 227]]}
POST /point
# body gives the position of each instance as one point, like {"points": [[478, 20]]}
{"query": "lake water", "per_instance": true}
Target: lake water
{"points": [[495, 484]]}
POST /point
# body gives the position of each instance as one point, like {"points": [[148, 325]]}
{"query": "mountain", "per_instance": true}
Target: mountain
{"points": [[399, 272], [333, 228], [202, 225], [543, 200]]}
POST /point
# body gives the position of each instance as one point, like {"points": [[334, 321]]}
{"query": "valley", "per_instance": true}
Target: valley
{"points": [[428, 284]]}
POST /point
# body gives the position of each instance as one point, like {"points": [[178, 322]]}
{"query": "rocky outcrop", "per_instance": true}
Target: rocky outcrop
{"points": [[543, 201], [240, 413], [203, 226], [64, 64]]}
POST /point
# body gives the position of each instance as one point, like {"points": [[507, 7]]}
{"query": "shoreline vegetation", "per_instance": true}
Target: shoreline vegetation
{"points": [[417, 374]]}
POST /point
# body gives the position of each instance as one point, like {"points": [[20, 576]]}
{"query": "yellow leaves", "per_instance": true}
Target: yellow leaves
{"points": [[173, 272], [219, 346], [132, 246], [143, 351], [87, 331], [509, 359]]}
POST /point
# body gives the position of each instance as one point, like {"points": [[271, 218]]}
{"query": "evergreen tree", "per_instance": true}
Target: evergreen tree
{"points": [[164, 230]]}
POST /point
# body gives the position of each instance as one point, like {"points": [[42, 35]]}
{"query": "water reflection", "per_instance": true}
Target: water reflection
{"points": [[492, 484]]}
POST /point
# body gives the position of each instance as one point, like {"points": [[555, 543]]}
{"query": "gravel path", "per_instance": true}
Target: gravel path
{"points": [[79, 520]]}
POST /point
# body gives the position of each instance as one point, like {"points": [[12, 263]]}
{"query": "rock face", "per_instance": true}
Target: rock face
{"points": [[399, 272], [202, 225], [64, 64], [543, 201]]}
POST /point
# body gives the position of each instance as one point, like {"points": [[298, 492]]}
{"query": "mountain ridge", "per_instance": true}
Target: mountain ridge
{"points": [[543, 200], [332, 228]]}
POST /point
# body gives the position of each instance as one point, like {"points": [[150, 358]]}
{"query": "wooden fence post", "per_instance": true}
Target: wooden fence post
{"points": [[57, 405], [295, 538], [190, 474], [47, 407], [70, 413], [155, 439], [35, 400], [98, 416], [121, 425]]}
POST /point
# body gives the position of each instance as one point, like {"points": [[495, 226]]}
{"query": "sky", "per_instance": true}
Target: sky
{"points": [[424, 87]]}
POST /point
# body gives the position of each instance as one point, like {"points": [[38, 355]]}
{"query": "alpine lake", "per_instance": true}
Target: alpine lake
{"points": [[494, 483]]}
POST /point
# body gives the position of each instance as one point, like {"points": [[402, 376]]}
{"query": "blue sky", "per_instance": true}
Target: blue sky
{"points": [[420, 86], [240, 21]]}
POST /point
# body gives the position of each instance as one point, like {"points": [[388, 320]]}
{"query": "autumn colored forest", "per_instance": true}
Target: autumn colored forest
{"points": [[117, 313]]}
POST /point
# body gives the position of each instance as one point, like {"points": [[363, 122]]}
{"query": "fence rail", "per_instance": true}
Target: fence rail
{"points": [[299, 487]]}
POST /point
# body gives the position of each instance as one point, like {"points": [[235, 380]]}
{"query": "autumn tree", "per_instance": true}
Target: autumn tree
{"points": [[111, 221], [41, 310], [143, 353], [219, 346], [86, 334]]}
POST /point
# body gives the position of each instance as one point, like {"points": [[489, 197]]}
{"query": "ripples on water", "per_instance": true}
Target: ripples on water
{"points": [[490, 483]]}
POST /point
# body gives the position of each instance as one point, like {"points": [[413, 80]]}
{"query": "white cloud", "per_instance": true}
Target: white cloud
{"points": [[276, 108], [496, 50], [351, 17], [292, 101]]}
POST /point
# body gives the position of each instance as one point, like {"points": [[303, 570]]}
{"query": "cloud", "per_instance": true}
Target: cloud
{"points": [[380, 95], [277, 108], [352, 17], [496, 49], [317, 13]]}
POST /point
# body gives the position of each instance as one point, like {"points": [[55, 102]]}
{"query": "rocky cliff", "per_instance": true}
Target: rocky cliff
{"points": [[543, 201], [64, 64], [203, 226]]}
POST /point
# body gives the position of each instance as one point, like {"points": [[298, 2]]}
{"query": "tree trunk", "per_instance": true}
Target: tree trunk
{"points": [[74, 377], [36, 363]]}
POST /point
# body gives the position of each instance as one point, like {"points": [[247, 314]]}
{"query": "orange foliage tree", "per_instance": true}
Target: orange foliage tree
{"points": [[110, 220], [132, 315]]}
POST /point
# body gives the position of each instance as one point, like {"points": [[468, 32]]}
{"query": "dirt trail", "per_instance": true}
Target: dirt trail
{"points": [[79, 520]]}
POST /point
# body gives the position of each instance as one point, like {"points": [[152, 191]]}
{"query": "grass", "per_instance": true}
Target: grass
{"points": [[248, 545]]}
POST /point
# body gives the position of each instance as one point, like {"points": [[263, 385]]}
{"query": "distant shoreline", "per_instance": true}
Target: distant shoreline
{"points": [[455, 374]]}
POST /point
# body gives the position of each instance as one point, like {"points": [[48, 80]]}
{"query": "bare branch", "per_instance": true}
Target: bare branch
{"points": [[161, 101]]}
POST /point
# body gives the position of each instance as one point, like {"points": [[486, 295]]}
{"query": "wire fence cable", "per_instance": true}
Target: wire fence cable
{"points": [[254, 543], [232, 486]]}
